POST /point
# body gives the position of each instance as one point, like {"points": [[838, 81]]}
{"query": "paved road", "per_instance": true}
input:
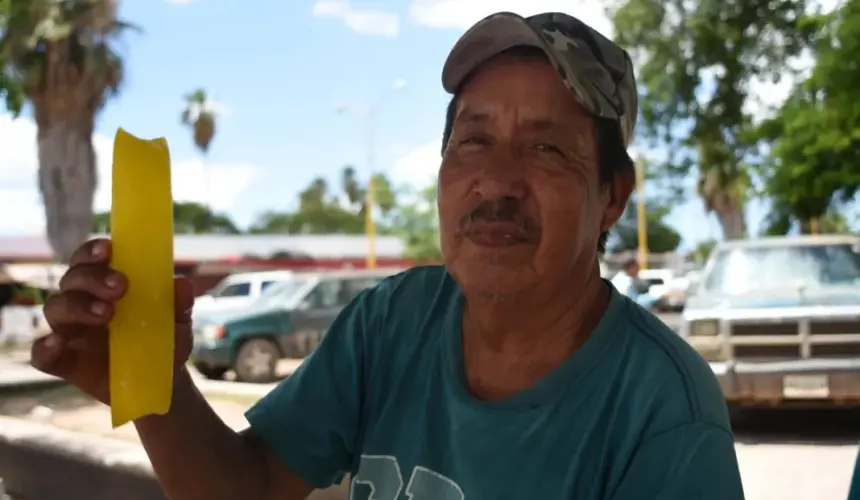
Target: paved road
{"points": [[797, 455]]}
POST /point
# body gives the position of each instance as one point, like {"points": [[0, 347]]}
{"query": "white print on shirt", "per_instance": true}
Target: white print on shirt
{"points": [[381, 473]]}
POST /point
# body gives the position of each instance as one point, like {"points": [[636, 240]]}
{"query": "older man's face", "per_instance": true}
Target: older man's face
{"points": [[520, 200]]}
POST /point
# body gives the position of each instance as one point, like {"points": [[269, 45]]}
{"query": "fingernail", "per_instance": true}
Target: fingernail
{"points": [[112, 280], [98, 308], [99, 250]]}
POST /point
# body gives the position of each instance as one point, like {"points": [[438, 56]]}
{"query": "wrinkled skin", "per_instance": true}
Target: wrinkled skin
{"points": [[521, 204]]}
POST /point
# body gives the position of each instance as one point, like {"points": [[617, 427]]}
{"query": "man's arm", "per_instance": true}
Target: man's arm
{"points": [[196, 456], [303, 434], [692, 461]]}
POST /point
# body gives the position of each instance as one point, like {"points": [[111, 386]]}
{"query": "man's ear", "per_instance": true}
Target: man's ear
{"points": [[618, 195]]}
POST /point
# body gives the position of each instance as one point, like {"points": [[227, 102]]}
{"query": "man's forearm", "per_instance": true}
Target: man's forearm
{"points": [[195, 455]]}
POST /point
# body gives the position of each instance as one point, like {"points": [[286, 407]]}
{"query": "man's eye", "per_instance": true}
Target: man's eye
{"points": [[545, 147], [475, 140]]}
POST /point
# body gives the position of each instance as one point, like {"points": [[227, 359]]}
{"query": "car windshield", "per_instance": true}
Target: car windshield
{"points": [[738, 271], [280, 294]]}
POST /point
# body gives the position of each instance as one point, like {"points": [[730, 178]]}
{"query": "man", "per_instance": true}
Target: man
{"points": [[513, 372], [627, 281]]}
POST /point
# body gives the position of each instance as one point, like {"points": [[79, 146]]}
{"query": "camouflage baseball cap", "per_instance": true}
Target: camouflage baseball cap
{"points": [[594, 68]]}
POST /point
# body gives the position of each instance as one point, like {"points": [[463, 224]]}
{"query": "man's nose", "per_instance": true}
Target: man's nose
{"points": [[502, 178]]}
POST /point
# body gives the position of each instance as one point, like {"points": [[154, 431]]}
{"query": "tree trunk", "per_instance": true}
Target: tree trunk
{"points": [[67, 181], [732, 222]]}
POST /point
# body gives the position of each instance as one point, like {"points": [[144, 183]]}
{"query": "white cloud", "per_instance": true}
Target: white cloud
{"points": [[362, 21], [419, 167], [461, 14], [18, 185]]}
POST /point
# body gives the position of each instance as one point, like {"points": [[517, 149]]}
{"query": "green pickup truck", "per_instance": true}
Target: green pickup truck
{"points": [[287, 321]]}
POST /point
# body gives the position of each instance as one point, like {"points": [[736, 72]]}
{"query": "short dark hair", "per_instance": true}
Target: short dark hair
{"points": [[630, 263], [612, 157]]}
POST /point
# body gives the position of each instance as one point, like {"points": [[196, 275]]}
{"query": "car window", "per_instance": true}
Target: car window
{"points": [[267, 284], [235, 290], [326, 295], [745, 270], [355, 286]]}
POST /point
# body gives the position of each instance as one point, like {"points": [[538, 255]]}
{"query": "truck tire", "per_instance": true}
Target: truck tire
{"points": [[257, 361], [211, 372]]}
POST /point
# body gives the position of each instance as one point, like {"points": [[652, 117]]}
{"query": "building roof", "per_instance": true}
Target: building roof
{"points": [[207, 247]]}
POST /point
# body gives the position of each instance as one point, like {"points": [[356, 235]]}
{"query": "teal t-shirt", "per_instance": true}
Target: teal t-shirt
{"points": [[634, 414]]}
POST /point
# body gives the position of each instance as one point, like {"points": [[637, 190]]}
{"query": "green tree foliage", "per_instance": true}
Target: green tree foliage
{"points": [[814, 160], [696, 61], [661, 237], [61, 58], [702, 251], [188, 218], [199, 116], [322, 210], [417, 223]]}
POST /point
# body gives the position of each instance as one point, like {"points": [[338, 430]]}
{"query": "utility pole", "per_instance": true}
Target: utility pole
{"points": [[641, 215], [369, 115], [370, 196]]}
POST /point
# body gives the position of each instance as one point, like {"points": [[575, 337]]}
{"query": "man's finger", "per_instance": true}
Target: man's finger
{"points": [[183, 298], [76, 308], [45, 352], [97, 251], [96, 279]]}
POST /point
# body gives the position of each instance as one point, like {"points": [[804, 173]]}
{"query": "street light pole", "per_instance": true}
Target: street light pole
{"points": [[370, 196], [641, 219], [369, 115]]}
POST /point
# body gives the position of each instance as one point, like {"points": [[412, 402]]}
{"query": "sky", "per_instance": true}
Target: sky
{"points": [[292, 81]]}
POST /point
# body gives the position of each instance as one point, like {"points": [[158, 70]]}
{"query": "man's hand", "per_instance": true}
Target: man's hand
{"points": [[76, 350]]}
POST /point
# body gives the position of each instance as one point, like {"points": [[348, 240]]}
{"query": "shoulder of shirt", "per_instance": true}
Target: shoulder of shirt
{"points": [[684, 370], [421, 280], [418, 291]]}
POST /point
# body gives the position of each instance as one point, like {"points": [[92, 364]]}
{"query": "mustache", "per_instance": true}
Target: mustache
{"points": [[503, 210]]}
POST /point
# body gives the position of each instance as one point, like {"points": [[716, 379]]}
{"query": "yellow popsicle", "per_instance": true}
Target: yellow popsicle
{"points": [[142, 330]]}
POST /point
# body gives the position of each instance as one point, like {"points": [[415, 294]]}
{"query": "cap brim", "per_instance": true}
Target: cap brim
{"points": [[489, 37]]}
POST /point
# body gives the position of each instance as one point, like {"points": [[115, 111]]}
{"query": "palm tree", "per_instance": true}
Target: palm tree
{"points": [[724, 187], [199, 115], [59, 56], [352, 189]]}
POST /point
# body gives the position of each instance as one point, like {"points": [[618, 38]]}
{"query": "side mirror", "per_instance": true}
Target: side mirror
{"points": [[303, 305]]}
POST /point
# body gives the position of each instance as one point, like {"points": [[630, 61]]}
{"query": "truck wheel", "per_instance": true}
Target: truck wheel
{"points": [[257, 361], [210, 372]]}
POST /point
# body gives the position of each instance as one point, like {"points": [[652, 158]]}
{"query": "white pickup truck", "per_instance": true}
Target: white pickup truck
{"points": [[779, 320], [238, 291]]}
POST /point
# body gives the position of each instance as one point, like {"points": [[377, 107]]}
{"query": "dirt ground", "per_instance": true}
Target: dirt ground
{"points": [[67, 408], [782, 455]]}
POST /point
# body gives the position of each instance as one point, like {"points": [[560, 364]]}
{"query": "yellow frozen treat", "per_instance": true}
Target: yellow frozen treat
{"points": [[142, 330]]}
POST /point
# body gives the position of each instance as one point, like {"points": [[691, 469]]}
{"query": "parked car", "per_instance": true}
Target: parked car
{"points": [[779, 320], [238, 291], [664, 283], [288, 321]]}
